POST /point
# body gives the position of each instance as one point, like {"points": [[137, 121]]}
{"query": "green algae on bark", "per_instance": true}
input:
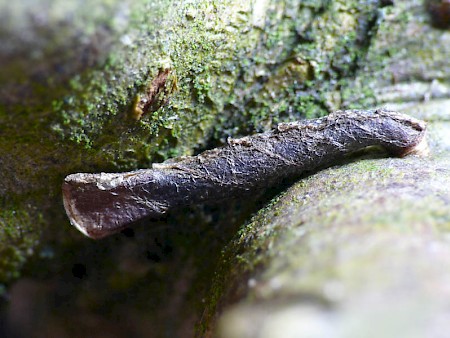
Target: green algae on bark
{"points": [[18, 237], [134, 278], [71, 75], [406, 62], [304, 57]]}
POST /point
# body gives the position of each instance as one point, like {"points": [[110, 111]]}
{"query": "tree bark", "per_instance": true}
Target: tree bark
{"points": [[118, 85], [360, 249]]}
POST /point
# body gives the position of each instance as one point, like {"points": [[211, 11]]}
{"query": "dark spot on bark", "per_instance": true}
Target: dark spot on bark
{"points": [[153, 256], [386, 3], [128, 232], [439, 11], [79, 270]]}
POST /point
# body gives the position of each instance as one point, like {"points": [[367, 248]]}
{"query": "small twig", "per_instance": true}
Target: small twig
{"points": [[102, 204]]}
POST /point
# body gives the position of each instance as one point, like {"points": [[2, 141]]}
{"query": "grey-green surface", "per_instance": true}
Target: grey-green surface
{"points": [[71, 74], [360, 249]]}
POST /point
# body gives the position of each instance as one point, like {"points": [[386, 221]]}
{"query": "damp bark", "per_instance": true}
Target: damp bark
{"points": [[121, 84]]}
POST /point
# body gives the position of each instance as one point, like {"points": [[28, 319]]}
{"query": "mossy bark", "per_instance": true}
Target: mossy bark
{"points": [[72, 75], [75, 83], [360, 249], [356, 250]]}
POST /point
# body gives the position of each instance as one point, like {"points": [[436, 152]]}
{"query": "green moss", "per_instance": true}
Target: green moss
{"points": [[18, 236], [316, 59], [208, 54], [395, 58], [199, 53], [237, 71]]}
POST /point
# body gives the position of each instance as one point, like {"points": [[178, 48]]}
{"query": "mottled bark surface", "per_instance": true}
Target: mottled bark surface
{"points": [[117, 85], [360, 249], [352, 251]]}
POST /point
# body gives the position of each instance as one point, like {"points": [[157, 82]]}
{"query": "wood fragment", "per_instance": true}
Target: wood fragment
{"points": [[157, 94], [105, 203]]}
